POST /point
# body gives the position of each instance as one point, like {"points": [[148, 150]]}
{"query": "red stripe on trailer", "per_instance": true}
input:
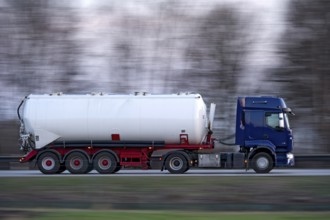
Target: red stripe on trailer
{"points": [[29, 156]]}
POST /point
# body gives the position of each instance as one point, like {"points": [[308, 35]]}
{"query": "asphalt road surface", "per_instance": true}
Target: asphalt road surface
{"points": [[193, 172]]}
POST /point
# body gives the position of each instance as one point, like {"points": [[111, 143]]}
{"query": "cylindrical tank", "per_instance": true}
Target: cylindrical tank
{"points": [[103, 117]]}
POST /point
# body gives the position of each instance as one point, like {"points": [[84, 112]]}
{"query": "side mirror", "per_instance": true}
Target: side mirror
{"points": [[288, 110]]}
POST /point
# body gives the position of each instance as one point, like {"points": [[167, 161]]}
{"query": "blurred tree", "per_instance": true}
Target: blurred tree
{"points": [[217, 54], [144, 47], [40, 54], [305, 75]]}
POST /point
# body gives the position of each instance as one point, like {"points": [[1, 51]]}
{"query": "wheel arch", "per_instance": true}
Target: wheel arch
{"points": [[263, 149], [74, 151], [172, 151], [49, 151], [177, 151], [107, 151]]}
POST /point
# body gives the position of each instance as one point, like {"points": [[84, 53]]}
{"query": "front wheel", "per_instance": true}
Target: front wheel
{"points": [[176, 163], [262, 163]]}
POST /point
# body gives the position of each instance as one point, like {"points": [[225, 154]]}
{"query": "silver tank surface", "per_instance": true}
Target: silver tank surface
{"points": [[93, 117]]}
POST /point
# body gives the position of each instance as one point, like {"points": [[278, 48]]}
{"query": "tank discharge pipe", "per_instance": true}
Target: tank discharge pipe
{"points": [[211, 116], [18, 109]]}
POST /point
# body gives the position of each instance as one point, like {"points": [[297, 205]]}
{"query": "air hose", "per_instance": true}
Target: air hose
{"points": [[20, 105], [222, 141]]}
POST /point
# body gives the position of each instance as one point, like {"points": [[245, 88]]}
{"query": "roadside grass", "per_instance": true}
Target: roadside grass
{"points": [[165, 215], [176, 193]]}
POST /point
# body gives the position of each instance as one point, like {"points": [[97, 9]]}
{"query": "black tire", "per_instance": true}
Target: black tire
{"points": [[77, 163], [62, 169], [90, 168], [105, 163], [176, 163], [262, 163], [49, 163], [117, 168]]}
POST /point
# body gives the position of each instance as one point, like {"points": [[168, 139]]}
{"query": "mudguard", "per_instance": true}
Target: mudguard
{"points": [[261, 146]]}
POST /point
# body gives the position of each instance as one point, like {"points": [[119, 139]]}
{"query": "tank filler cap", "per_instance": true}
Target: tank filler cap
{"points": [[98, 93], [56, 94], [184, 93], [141, 93]]}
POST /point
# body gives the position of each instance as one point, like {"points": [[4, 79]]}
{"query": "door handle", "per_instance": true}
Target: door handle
{"points": [[266, 136]]}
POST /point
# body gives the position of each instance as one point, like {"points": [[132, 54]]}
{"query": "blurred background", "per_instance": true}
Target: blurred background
{"points": [[219, 48]]}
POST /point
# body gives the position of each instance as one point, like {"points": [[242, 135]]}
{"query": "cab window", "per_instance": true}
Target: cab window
{"points": [[275, 120], [254, 118]]}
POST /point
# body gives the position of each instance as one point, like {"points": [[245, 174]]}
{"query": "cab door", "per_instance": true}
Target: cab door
{"points": [[275, 129], [254, 125]]}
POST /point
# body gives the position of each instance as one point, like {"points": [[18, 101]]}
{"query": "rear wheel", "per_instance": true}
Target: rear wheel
{"points": [[105, 163], [90, 168], [117, 168], [62, 169], [176, 163], [77, 163], [49, 163], [262, 163]]}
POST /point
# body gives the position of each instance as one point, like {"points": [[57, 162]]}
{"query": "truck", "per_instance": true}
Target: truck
{"points": [[172, 132]]}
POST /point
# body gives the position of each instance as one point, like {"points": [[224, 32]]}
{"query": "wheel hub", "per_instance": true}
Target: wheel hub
{"points": [[76, 162], [262, 163], [49, 163], [176, 163], [105, 163]]}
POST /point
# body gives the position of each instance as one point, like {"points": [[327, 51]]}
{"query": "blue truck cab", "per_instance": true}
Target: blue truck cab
{"points": [[263, 132]]}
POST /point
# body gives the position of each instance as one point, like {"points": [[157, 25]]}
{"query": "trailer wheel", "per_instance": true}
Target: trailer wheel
{"points": [[62, 169], [117, 169], [77, 163], [176, 163], [105, 163], [48, 163], [262, 163], [90, 168]]}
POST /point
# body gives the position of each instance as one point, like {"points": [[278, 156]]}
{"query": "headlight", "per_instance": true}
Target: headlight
{"points": [[289, 156]]}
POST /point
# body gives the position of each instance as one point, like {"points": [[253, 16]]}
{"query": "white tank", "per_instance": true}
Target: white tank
{"points": [[102, 117]]}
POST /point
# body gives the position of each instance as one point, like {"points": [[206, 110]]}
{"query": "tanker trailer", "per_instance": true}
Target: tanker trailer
{"points": [[126, 127]]}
